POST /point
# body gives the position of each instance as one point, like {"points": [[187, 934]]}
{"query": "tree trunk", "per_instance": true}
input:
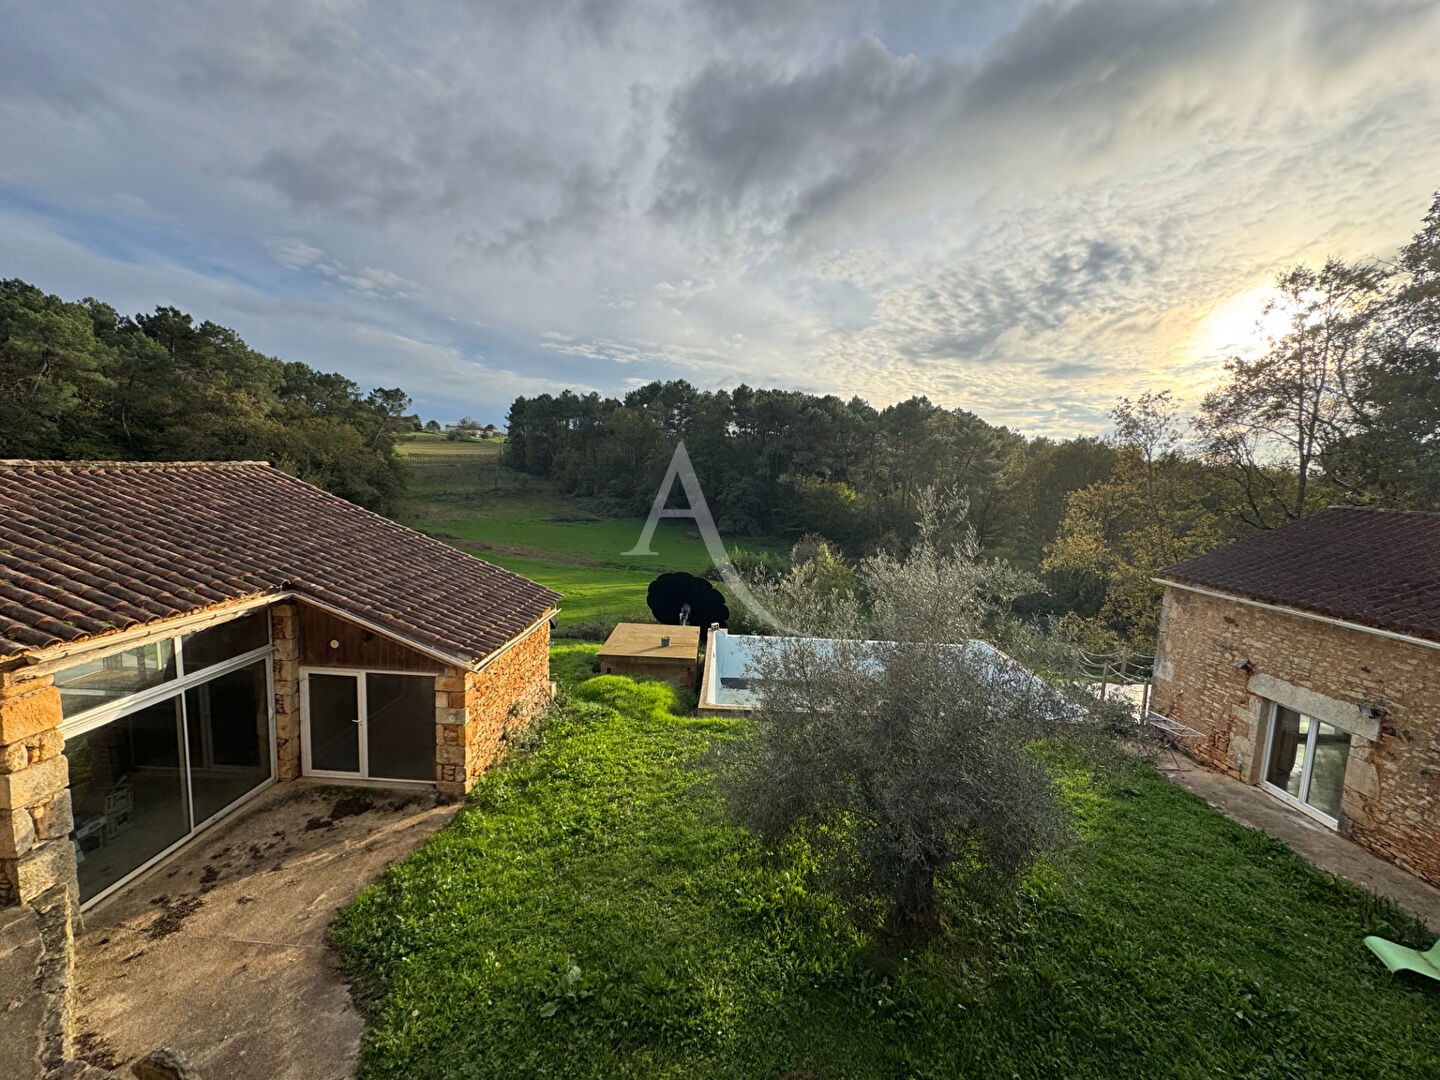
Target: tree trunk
{"points": [[916, 912]]}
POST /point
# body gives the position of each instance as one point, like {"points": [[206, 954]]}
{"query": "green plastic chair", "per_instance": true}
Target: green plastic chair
{"points": [[1399, 958]]}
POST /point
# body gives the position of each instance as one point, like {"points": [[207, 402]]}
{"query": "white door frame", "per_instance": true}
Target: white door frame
{"points": [[1308, 749], [362, 706]]}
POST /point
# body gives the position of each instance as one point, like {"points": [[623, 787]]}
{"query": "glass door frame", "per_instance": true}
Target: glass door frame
{"points": [[1307, 748], [179, 689], [362, 706]]}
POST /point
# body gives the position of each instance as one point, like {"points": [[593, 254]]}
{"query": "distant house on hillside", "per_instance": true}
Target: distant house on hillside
{"points": [[490, 431], [1307, 660], [174, 637]]}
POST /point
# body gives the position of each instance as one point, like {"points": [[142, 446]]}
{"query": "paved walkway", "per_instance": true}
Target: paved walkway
{"points": [[220, 952], [1325, 849]]}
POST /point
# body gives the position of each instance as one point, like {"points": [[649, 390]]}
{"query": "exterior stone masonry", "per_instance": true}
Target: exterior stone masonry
{"points": [[477, 712], [37, 859], [35, 816], [284, 635], [1391, 799]]}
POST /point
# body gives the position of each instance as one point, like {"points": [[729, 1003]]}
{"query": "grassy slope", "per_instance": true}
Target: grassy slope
{"points": [[423, 444], [522, 524], [589, 913]]}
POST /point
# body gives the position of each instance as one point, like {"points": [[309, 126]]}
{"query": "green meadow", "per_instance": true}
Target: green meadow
{"points": [[423, 445], [523, 524], [591, 913]]}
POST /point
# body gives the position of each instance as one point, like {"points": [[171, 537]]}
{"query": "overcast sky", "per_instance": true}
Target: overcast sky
{"points": [[1021, 209]]}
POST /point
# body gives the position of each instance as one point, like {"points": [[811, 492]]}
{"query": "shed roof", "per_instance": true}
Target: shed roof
{"points": [[1377, 568], [92, 548], [641, 641]]}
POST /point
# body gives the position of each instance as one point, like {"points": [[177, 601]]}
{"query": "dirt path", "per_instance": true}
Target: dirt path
{"points": [[220, 953]]}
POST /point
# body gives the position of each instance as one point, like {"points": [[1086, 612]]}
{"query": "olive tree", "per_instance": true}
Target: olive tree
{"points": [[898, 744]]}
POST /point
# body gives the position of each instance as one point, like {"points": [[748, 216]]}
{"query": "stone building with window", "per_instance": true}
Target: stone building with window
{"points": [[1306, 660], [176, 637]]}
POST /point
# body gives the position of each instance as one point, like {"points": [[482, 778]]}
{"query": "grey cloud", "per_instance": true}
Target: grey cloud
{"points": [[1024, 208], [587, 199], [1068, 85], [738, 127], [27, 80], [1070, 370], [963, 311], [344, 175]]}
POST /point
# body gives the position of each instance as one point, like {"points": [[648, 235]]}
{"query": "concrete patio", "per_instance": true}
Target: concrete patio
{"points": [[220, 952]]}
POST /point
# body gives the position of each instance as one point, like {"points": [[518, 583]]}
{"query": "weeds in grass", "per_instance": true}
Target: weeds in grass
{"points": [[1171, 943]]}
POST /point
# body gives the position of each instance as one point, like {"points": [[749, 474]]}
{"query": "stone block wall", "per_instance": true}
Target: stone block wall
{"points": [[1391, 801], [684, 676], [285, 635], [35, 816], [37, 859], [477, 712]]}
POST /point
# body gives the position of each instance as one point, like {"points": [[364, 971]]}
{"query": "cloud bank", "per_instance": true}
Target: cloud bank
{"points": [[1021, 209]]}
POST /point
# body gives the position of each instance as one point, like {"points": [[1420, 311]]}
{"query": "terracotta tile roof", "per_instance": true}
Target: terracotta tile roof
{"points": [[88, 548], [1378, 568]]}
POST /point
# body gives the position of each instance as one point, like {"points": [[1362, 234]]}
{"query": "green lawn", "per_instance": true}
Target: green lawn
{"points": [[525, 525], [596, 597], [590, 913]]}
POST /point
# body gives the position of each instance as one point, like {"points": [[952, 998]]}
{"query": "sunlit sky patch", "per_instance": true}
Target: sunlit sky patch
{"points": [[1021, 209]]}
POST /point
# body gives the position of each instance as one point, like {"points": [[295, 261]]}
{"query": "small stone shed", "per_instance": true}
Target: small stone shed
{"points": [[653, 651], [1307, 660], [175, 637]]}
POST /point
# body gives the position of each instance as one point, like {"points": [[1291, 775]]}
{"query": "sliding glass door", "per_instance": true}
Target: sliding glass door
{"points": [[369, 725], [162, 739], [1306, 761]]}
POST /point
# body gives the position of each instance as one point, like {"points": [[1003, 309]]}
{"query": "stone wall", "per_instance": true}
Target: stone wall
{"points": [[477, 712], [37, 859], [285, 635], [681, 675], [1219, 663], [35, 816]]}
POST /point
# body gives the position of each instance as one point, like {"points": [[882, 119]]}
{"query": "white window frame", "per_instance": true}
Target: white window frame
{"points": [[1272, 714], [90, 722], [178, 687], [99, 717], [362, 706], [111, 710]]}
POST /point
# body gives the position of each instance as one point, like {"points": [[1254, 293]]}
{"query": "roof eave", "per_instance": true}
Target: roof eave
{"points": [[61, 653]]}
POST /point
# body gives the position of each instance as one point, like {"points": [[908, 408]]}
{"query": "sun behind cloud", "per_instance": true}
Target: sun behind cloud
{"points": [[1244, 325]]}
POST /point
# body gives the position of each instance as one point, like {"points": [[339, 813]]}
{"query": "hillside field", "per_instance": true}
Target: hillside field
{"points": [[526, 525]]}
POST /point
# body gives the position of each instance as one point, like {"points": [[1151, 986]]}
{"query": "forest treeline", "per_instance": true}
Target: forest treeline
{"points": [[1341, 406], [80, 380]]}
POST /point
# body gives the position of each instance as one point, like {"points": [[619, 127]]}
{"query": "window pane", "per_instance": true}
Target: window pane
{"points": [[228, 726], [235, 638], [334, 723], [128, 792], [401, 726], [98, 682], [1327, 775], [1287, 750]]}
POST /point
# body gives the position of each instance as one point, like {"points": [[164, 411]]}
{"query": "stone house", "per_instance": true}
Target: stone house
{"points": [[1307, 660], [175, 637]]}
